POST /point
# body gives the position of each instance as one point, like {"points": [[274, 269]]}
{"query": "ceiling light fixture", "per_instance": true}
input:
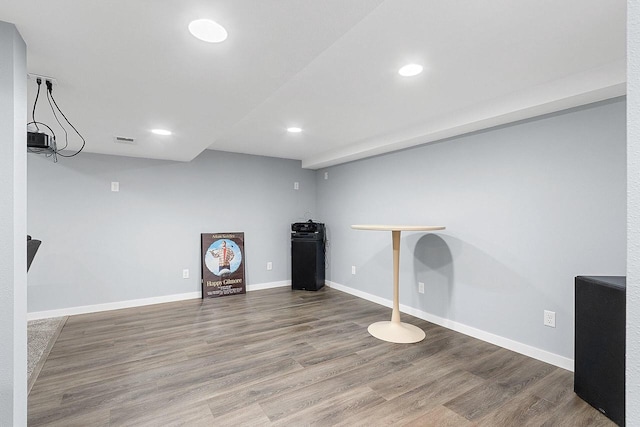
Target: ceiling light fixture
{"points": [[161, 132], [208, 30], [294, 130], [410, 70]]}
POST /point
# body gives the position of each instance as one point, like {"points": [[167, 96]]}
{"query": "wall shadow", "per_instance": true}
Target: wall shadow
{"points": [[448, 266], [433, 266]]}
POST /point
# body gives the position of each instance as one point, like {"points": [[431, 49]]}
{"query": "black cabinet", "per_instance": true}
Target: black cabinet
{"points": [[307, 256], [600, 310]]}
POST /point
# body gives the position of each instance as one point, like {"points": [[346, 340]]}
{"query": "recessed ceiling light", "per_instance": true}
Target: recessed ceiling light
{"points": [[161, 131], [208, 30], [410, 70], [294, 130]]}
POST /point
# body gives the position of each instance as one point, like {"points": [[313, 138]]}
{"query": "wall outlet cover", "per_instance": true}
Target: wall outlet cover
{"points": [[550, 318]]}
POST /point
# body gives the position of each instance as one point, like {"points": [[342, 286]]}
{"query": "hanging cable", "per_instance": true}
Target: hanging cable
{"points": [[66, 135], [33, 112], [50, 91]]}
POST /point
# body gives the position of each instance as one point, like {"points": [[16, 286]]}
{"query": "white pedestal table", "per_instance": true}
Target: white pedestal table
{"points": [[395, 330]]}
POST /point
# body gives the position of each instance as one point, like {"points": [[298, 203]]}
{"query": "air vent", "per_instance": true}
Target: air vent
{"points": [[123, 140]]}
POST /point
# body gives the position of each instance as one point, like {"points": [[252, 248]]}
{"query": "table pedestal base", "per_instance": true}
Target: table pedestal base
{"points": [[397, 332]]}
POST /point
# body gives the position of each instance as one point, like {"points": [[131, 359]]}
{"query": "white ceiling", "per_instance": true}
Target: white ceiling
{"points": [[124, 67]]}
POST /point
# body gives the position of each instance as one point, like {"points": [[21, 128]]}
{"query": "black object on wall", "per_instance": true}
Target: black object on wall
{"points": [[307, 256], [32, 248], [600, 310]]}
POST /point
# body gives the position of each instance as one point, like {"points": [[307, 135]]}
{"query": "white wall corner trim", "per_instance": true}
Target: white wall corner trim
{"points": [[632, 375], [95, 308], [518, 347]]}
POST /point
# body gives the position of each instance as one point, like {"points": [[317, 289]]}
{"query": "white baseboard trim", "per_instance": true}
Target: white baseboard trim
{"points": [[70, 311], [268, 285], [518, 347], [95, 308]]}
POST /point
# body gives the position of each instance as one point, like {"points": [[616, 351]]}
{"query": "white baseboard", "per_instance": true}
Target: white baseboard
{"points": [[518, 347], [95, 308], [268, 285], [70, 311], [527, 350]]}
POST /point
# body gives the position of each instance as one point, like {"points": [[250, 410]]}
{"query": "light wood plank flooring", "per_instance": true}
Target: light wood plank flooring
{"points": [[278, 357]]}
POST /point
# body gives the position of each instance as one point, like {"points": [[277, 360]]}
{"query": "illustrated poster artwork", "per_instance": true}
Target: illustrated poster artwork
{"points": [[222, 264]]}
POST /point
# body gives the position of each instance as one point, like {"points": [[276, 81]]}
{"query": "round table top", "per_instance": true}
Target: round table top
{"points": [[398, 227]]}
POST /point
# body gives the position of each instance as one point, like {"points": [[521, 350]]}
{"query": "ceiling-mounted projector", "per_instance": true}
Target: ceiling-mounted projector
{"points": [[37, 140]]}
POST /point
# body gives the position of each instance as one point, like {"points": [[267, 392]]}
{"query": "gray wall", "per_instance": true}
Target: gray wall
{"points": [[633, 215], [101, 246], [527, 207], [13, 263]]}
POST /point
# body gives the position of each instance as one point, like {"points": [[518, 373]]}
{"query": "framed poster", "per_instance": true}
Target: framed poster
{"points": [[222, 264]]}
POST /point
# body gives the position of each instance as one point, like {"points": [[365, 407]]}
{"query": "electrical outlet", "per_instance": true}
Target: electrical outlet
{"points": [[296, 185], [421, 287], [326, 175], [35, 77], [185, 273], [353, 269], [550, 318], [115, 186], [269, 265]]}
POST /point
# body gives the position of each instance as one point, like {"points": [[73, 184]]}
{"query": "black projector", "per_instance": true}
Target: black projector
{"points": [[37, 140]]}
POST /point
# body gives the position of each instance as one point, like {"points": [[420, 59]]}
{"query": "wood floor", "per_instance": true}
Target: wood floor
{"points": [[283, 358]]}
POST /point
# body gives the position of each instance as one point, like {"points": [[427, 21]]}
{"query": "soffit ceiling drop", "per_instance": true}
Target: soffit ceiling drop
{"points": [[328, 67]]}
